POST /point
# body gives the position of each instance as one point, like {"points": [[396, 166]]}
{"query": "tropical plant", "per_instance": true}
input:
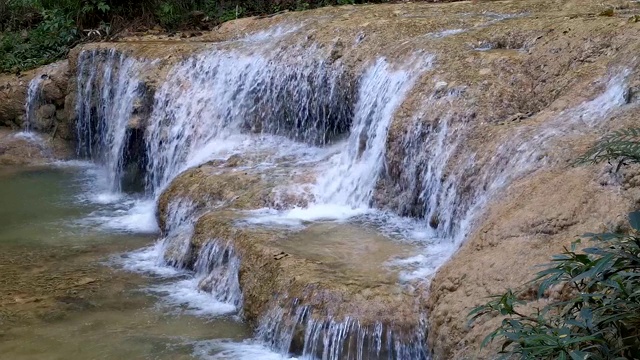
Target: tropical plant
{"points": [[597, 315], [622, 146], [599, 318]]}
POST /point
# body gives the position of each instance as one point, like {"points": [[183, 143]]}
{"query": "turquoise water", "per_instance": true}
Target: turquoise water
{"points": [[62, 292]]}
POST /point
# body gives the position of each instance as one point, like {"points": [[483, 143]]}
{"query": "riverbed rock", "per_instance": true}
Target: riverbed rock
{"points": [[52, 92], [13, 92], [503, 78], [19, 148], [522, 74], [315, 269]]}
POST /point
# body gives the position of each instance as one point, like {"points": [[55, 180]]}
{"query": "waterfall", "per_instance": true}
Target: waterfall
{"points": [[174, 249], [225, 101], [331, 339], [217, 268], [351, 176], [33, 101], [107, 88], [210, 100], [451, 184], [254, 97]]}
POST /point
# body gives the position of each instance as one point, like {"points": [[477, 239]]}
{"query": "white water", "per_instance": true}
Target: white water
{"points": [[33, 101], [350, 177], [107, 89], [226, 350], [296, 103], [327, 338], [212, 102]]}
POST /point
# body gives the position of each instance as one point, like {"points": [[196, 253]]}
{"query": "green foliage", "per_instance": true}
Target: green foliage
{"points": [[599, 318], [48, 41], [622, 146], [36, 32], [168, 14]]}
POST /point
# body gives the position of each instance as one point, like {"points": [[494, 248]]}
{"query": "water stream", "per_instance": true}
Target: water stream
{"points": [[256, 100], [62, 293]]}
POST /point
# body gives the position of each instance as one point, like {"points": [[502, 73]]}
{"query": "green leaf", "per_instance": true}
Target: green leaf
{"points": [[634, 220], [578, 355]]}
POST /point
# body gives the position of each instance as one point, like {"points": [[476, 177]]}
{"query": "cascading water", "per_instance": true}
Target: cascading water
{"points": [[516, 156], [107, 88], [217, 268], [34, 95], [228, 101], [352, 174], [211, 100], [245, 97], [327, 338]]}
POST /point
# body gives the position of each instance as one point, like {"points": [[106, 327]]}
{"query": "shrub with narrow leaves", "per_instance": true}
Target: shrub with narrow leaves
{"points": [[600, 319], [622, 146]]}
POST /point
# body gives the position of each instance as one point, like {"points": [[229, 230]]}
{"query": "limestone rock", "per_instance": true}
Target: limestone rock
{"points": [[17, 149]]}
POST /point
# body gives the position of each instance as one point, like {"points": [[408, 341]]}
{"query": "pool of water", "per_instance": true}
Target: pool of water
{"points": [[64, 294]]}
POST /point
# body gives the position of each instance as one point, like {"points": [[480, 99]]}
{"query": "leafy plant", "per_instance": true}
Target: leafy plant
{"points": [[622, 146], [50, 40], [167, 14], [598, 319], [36, 32]]}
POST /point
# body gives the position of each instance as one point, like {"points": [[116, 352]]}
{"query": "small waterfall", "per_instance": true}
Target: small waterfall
{"points": [[217, 269], [33, 101], [450, 185], [296, 329], [107, 88], [351, 176], [212, 98], [175, 246]]}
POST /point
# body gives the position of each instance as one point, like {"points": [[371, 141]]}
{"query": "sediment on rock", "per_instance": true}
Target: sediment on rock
{"points": [[279, 285], [20, 149], [478, 149]]}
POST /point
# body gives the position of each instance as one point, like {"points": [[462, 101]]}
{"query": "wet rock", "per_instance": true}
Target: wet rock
{"points": [[275, 274], [52, 92], [45, 116], [13, 92], [47, 111], [336, 51], [22, 150]]}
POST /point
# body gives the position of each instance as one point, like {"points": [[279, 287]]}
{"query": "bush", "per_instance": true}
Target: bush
{"points": [[49, 40], [599, 317], [24, 23]]}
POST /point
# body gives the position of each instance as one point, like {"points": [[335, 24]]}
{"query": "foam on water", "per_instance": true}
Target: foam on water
{"points": [[136, 216], [146, 261], [227, 350], [184, 296], [29, 136]]}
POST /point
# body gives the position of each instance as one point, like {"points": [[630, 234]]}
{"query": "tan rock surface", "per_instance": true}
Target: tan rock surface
{"points": [[542, 61], [512, 68], [19, 150]]}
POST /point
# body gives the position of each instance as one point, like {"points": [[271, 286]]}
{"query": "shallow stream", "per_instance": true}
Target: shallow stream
{"points": [[63, 294]]}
